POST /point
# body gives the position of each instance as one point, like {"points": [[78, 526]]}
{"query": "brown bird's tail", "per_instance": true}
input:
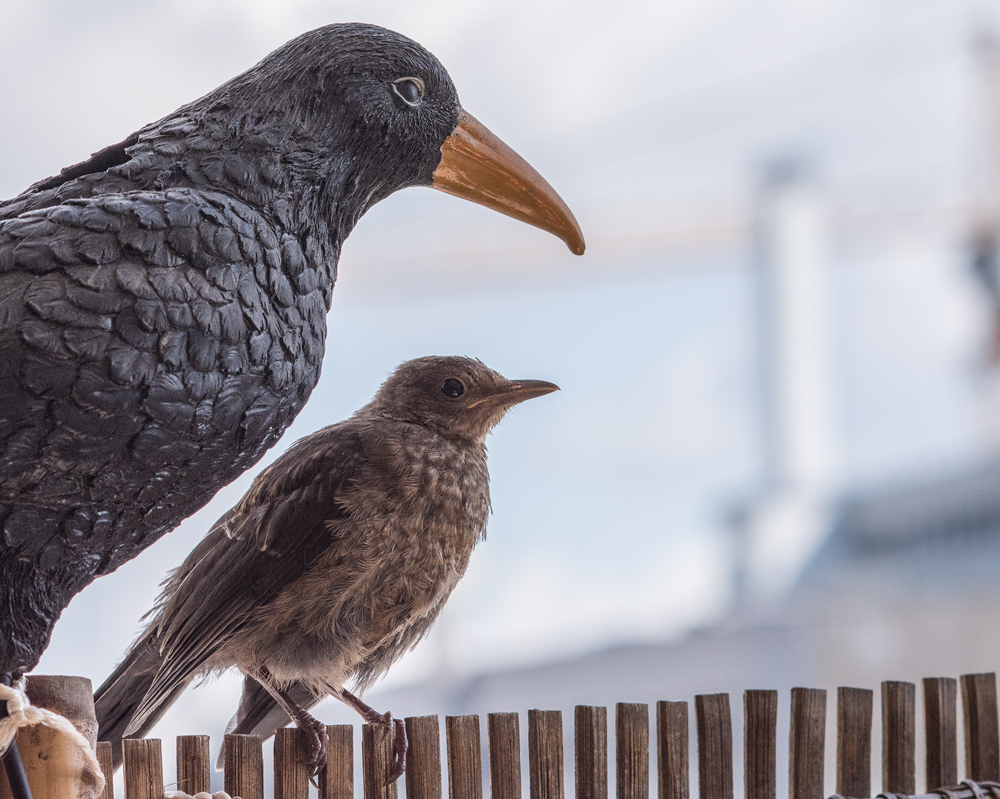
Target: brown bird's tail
{"points": [[116, 701], [259, 714]]}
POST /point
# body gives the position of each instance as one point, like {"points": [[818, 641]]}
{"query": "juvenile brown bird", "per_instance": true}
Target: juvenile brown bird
{"points": [[335, 563]]}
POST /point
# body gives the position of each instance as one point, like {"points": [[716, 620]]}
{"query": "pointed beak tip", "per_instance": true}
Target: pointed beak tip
{"points": [[535, 388], [576, 244]]}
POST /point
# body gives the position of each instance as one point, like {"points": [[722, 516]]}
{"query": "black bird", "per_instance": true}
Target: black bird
{"points": [[336, 562], [163, 304]]}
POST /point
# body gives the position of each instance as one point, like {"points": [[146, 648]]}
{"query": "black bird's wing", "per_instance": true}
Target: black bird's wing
{"points": [[153, 344], [256, 549], [127, 327]]}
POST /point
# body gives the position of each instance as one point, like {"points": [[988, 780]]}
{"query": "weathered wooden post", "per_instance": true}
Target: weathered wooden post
{"points": [[54, 764]]}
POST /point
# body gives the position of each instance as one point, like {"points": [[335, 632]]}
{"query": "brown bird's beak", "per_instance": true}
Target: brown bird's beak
{"points": [[477, 166], [517, 391]]}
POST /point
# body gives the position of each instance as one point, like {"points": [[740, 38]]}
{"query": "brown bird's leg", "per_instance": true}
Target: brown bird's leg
{"points": [[315, 729], [372, 716]]}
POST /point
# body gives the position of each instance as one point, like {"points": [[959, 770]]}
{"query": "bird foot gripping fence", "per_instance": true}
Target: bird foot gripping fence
{"points": [[244, 769]]}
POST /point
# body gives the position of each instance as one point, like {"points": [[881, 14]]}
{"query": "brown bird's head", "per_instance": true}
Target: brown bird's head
{"points": [[458, 397]]}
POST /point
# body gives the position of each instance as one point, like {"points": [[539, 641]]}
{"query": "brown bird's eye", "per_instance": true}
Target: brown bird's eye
{"points": [[409, 90], [452, 387]]}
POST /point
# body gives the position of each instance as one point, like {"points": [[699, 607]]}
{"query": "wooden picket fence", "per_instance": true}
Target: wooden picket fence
{"points": [[244, 770]]}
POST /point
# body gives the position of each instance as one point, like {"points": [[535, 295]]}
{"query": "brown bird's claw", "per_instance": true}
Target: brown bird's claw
{"points": [[401, 745], [315, 731], [384, 720]]}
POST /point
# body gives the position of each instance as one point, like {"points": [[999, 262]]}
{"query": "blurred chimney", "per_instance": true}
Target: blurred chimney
{"points": [[984, 236], [782, 526]]}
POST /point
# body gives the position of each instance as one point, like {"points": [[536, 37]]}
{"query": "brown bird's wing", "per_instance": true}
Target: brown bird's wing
{"points": [[264, 543]]}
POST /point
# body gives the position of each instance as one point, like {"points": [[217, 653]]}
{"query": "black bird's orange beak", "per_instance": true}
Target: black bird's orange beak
{"points": [[477, 166]]}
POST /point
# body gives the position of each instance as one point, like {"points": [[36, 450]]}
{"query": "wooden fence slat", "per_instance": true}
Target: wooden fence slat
{"points": [[632, 750], [899, 722], [591, 747], [378, 756], [194, 765], [806, 743], [715, 746], [982, 747], [465, 757], [291, 771], [423, 761], [105, 757], [142, 759], [941, 732], [504, 731], [244, 766], [760, 744], [855, 707], [545, 754], [336, 780], [673, 781]]}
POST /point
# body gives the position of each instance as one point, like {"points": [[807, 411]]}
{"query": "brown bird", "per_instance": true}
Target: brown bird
{"points": [[336, 562]]}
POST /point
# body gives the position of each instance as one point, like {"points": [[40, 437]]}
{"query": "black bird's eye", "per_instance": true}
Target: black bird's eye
{"points": [[452, 387], [409, 90]]}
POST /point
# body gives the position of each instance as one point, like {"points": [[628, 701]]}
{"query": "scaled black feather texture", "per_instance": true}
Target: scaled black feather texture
{"points": [[163, 305]]}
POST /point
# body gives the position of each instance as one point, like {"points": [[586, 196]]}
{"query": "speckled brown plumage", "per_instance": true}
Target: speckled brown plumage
{"points": [[337, 560]]}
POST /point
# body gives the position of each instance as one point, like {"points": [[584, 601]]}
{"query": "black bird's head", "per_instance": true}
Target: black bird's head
{"points": [[458, 397], [322, 129], [359, 112]]}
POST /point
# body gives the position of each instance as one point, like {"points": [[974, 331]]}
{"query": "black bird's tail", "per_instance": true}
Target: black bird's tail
{"points": [[259, 714], [116, 701]]}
